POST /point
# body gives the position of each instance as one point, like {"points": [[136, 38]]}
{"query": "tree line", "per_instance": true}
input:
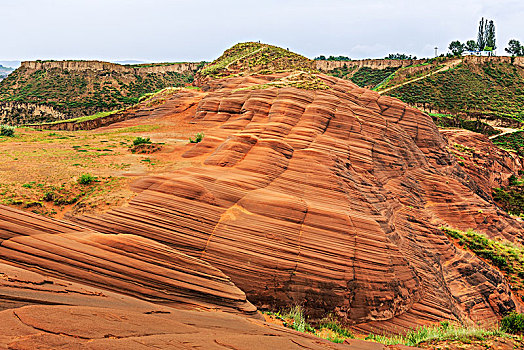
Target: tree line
{"points": [[486, 42]]}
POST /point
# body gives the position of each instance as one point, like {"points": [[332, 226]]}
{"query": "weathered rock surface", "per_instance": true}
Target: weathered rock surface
{"points": [[80, 327], [126, 264], [486, 163], [332, 199]]}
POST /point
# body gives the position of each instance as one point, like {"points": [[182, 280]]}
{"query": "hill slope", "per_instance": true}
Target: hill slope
{"points": [[79, 88], [488, 87]]}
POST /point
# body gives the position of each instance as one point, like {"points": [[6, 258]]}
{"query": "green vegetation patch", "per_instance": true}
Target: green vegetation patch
{"points": [[449, 120], [363, 77], [82, 93], [513, 323], [506, 256], [251, 58], [513, 141], [7, 130], [328, 328], [491, 89], [441, 332], [511, 197], [198, 137]]}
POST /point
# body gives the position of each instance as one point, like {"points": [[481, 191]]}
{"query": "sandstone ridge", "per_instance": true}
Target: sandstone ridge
{"points": [[331, 198]]}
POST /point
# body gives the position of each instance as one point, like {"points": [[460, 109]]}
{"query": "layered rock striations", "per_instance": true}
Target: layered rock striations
{"points": [[306, 190], [328, 198]]}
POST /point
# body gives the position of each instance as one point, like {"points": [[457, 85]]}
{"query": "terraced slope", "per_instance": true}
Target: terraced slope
{"points": [[364, 77], [486, 87], [250, 58]]}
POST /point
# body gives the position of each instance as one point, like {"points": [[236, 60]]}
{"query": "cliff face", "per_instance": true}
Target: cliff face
{"points": [[80, 66], [17, 113], [326, 66]]}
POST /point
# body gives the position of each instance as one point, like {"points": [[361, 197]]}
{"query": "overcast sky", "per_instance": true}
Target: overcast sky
{"points": [[194, 30]]}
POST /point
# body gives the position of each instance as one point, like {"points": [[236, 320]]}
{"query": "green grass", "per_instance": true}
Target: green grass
{"points": [[7, 130], [513, 141], [141, 141], [511, 197], [294, 318], [85, 118], [449, 120], [363, 77], [505, 255], [441, 332]]}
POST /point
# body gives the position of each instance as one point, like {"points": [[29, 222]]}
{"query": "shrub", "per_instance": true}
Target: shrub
{"points": [[86, 179], [7, 130], [512, 323], [199, 136], [513, 180], [141, 141]]}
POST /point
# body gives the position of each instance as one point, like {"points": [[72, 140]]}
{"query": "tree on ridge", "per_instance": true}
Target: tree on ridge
{"points": [[515, 48], [456, 47], [481, 36], [471, 45]]}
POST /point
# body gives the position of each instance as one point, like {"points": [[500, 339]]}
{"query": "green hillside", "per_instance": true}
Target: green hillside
{"points": [[79, 93], [485, 89], [364, 76], [251, 58]]}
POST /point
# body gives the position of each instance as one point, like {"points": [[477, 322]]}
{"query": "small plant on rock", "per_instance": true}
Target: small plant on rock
{"points": [[199, 136], [141, 141]]}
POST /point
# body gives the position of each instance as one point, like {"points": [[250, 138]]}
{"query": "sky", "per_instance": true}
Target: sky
{"points": [[195, 30]]}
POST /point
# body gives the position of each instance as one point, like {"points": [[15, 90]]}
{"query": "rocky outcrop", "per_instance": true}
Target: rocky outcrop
{"points": [[17, 113], [326, 66], [125, 264], [328, 198], [517, 61], [331, 198], [80, 66]]}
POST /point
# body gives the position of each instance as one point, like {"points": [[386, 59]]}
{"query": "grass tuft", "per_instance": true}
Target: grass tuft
{"points": [[7, 130]]}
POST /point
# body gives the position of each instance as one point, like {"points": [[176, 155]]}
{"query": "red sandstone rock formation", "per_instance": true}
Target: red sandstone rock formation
{"points": [[327, 198], [331, 199]]}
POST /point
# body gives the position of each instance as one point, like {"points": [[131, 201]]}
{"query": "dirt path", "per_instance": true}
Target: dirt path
{"points": [[505, 131], [446, 67]]}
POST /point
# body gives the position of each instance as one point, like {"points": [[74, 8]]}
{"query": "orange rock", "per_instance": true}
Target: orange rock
{"points": [[327, 198]]}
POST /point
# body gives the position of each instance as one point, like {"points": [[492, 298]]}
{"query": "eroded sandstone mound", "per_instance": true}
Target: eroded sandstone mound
{"points": [[126, 264], [306, 189], [328, 198]]}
